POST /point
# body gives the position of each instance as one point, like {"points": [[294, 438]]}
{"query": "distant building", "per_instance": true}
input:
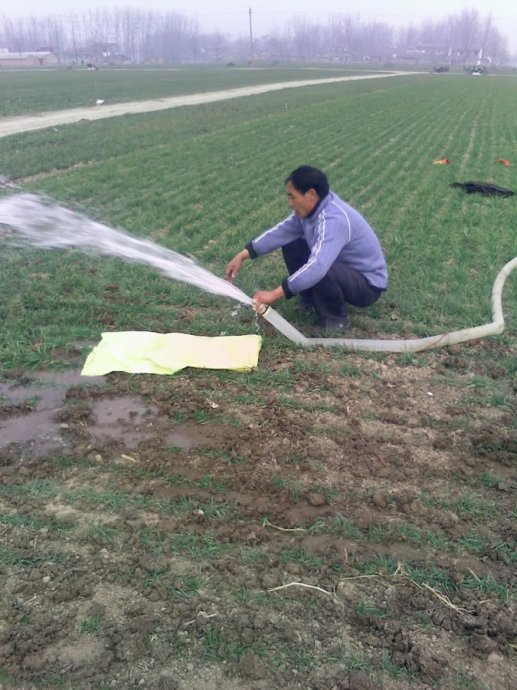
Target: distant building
{"points": [[426, 53], [27, 59], [96, 54]]}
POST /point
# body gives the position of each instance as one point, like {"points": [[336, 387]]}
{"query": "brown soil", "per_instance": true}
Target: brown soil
{"points": [[145, 521]]}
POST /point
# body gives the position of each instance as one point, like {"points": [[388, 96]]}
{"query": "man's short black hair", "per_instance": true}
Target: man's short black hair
{"points": [[305, 178]]}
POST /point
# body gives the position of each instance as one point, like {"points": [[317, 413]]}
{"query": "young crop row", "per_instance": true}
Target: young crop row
{"points": [[205, 180], [54, 89]]}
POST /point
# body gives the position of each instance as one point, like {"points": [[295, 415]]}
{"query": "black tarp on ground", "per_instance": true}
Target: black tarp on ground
{"points": [[486, 188]]}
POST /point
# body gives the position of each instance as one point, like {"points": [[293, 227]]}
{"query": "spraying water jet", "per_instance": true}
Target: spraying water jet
{"points": [[40, 222]]}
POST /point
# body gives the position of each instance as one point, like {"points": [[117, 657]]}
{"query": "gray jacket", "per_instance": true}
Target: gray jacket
{"points": [[334, 231]]}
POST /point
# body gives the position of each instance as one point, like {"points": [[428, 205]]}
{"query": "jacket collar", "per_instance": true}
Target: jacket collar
{"points": [[317, 208]]}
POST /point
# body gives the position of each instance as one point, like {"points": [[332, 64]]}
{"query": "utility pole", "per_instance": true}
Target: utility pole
{"points": [[251, 39]]}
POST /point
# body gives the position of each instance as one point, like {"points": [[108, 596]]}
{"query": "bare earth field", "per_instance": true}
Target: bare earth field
{"points": [[146, 522]]}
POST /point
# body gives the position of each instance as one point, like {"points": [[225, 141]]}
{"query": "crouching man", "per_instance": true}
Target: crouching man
{"points": [[332, 255]]}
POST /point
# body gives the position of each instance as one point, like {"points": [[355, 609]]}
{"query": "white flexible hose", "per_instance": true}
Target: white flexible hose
{"points": [[414, 345]]}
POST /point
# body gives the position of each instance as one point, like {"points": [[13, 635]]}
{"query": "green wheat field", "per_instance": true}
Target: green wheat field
{"points": [[206, 179]]}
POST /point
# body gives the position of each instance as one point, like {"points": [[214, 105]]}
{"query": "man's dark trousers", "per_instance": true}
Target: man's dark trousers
{"points": [[341, 286]]}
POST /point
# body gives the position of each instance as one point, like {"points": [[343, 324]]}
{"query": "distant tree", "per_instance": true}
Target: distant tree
{"points": [[305, 37], [271, 46], [341, 33], [73, 38], [493, 44], [377, 38], [173, 37], [468, 32], [56, 36], [13, 36], [407, 37]]}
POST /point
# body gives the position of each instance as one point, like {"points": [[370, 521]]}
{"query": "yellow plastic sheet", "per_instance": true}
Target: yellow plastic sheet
{"points": [[142, 352]]}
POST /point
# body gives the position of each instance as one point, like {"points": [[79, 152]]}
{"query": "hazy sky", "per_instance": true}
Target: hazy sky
{"points": [[231, 16]]}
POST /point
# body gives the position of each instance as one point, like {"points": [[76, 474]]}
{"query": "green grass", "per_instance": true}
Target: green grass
{"points": [[438, 578], [463, 682], [103, 533], [405, 532], [364, 609], [252, 554], [221, 647], [293, 488], [56, 89], [112, 500], [200, 164], [300, 657], [301, 557], [186, 586], [195, 546], [91, 626], [205, 482], [470, 504], [34, 524], [13, 557]]}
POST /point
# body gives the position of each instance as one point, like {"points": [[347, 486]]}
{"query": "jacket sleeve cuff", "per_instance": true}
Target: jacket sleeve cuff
{"points": [[253, 254], [287, 290]]}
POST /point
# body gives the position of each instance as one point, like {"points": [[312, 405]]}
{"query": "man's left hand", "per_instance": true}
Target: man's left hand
{"points": [[265, 297]]}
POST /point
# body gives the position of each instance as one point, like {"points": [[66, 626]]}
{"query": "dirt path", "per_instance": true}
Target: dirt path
{"points": [[28, 123]]}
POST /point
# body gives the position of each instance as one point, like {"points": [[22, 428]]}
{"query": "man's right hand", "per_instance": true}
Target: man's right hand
{"points": [[233, 267]]}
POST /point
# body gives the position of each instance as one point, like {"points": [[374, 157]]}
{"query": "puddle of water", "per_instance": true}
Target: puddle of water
{"points": [[125, 409], [46, 396], [182, 438], [38, 426], [67, 377], [85, 343], [127, 418], [12, 395], [43, 397], [131, 420], [188, 436]]}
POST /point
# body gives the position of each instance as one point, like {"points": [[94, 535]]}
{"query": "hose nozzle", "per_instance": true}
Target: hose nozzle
{"points": [[262, 309]]}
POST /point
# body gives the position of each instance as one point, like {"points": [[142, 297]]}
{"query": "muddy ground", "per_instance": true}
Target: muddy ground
{"points": [[326, 522]]}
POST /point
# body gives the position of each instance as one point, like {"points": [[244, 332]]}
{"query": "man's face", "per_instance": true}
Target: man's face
{"points": [[302, 204]]}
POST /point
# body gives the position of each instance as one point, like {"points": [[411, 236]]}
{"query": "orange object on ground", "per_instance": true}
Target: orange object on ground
{"points": [[503, 161], [442, 161]]}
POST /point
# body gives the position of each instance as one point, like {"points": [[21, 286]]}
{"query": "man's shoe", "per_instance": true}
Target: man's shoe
{"points": [[304, 306], [329, 328]]}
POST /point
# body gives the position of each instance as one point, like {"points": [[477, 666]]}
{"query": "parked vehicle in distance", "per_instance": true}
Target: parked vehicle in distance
{"points": [[440, 70]]}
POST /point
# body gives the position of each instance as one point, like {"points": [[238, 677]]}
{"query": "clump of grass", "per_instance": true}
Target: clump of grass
{"points": [[196, 546], [301, 557], [293, 488], [219, 646], [467, 504], [91, 626], [186, 586]]}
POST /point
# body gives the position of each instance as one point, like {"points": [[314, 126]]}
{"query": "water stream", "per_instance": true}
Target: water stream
{"points": [[31, 219]]}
